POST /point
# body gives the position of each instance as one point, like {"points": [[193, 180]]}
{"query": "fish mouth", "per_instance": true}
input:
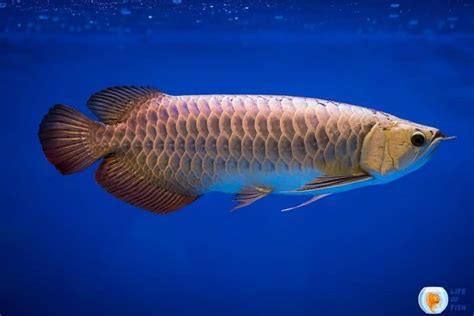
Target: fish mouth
{"points": [[437, 138], [440, 136]]}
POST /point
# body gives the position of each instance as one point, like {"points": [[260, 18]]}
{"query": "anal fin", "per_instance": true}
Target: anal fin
{"points": [[123, 182], [249, 195]]}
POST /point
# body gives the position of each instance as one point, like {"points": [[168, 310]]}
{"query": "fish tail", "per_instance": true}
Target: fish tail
{"points": [[67, 138]]}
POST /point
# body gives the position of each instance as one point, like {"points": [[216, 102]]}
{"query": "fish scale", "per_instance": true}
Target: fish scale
{"points": [[189, 143]]}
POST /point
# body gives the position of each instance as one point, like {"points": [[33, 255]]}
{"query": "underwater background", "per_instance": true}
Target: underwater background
{"points": [[69, 248]]}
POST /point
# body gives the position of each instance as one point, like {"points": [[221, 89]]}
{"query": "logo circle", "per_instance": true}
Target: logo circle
{"points": [[433, 299]]}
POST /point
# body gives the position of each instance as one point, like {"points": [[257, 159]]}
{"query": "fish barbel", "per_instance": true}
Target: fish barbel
{"points": [[162, 152]]}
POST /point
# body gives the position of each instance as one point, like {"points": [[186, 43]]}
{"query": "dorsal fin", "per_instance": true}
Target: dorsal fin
{"points": [[112, 104]]}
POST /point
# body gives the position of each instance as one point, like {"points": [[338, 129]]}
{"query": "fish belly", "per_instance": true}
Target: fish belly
{"points": [[278, 183]]}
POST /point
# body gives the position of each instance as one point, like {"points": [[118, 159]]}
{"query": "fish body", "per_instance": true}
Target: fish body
{"points": [[161, 152], [202, 143]]}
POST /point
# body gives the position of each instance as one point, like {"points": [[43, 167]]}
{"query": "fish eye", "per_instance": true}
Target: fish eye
{"points": [[418, 139]]}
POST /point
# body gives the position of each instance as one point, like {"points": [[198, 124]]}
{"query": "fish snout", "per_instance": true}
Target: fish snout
{"points": [[441, 136]]}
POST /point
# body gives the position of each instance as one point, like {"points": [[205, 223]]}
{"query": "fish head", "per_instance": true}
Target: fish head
{"points": [[395, 147]]}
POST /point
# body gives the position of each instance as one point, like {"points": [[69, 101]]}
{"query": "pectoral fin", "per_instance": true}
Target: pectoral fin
{"points": [[248, 195], [313, 199], [329, 182]]}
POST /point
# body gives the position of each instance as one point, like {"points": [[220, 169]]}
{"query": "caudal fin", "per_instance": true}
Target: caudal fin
{"points": [[66, 136]]}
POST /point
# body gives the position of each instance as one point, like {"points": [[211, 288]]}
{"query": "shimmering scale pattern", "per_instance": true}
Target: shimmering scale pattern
{"points": [[188, 143]]}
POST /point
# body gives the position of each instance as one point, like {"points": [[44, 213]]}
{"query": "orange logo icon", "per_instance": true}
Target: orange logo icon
{"points": [[433, 299]]}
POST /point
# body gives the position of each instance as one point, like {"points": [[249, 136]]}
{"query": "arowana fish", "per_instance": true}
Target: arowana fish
{"points": [[162, 152]]}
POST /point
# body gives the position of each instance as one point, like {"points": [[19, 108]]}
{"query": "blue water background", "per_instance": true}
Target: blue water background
{"points": [[70, 248]]}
